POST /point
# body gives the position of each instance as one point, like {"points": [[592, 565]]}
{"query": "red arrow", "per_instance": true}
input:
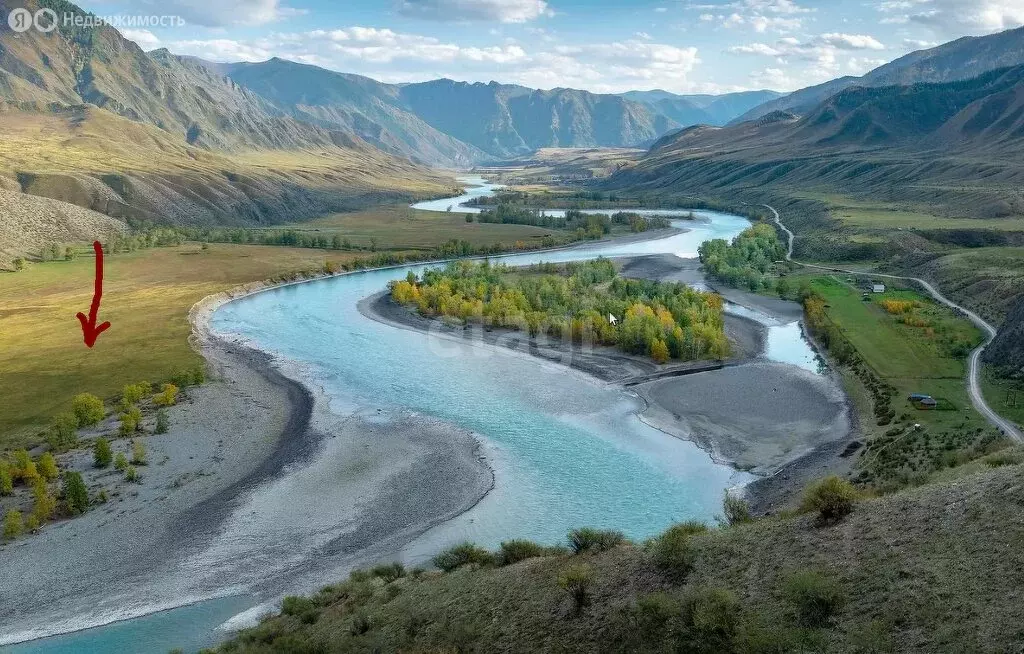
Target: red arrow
{"points": [[89, 329]]}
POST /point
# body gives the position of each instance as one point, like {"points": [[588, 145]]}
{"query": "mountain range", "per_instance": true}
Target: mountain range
{"points": [[957, 60]]}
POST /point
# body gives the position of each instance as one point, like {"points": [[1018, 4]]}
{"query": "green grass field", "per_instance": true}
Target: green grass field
{"points": [[1005, 396], [405, 228], [913, 359]]}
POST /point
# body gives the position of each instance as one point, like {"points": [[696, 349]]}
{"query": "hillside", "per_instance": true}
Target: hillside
{"points": [[929, 570], [957, 60], [447, 122], [702, 109], [360, 105], [955, 144], [91, 120]]}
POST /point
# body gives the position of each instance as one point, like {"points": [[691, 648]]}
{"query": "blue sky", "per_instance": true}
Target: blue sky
{"points": [[684, 46]]}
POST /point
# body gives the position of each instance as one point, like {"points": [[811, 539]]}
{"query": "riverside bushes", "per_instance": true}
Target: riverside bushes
{"points": [[514, 551], [573, 302], [460, 555], [747, 261], [594, 540]]}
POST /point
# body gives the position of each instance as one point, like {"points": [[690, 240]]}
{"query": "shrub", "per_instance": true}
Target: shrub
{"points": [[815, 597], [133, 394], [360, 624], [102, 456], [22, 467], [88, 409], [74, 492], [130, 421], [389, 572], [831, 497], [594, 540], [514, 551], [293, 605], [13, 524], [648, 619], [575, 581], [120, 462], [6, 480], [31, 523], [460, 555], [163, 423], [1005, 458], [44, 504], [711, 618], [736, 510], [359, 576], [167, 397], [139, 453], [131, 474], [47, 467], [63, 434], [673, 552]]}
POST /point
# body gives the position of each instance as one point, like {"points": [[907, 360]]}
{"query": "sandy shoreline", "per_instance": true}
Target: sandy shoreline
{"points": [[162, 543]]}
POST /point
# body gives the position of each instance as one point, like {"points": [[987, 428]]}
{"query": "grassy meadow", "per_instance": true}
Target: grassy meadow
{"points": [[147, 296]]}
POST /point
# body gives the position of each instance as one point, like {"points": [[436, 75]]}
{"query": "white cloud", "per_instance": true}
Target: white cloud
{"points": [[144, 38], [400, 57], [760, 15], [851, 41], [503, 11], [951, 18], [219, 13], [813, 60]]}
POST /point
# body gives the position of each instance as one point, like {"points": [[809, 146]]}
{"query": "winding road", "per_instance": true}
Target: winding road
{"points": [[973, 362]]}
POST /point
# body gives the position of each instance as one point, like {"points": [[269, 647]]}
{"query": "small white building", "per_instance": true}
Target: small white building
{"points": [[878, 288]]}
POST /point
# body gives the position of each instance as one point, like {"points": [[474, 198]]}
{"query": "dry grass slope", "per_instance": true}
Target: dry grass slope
{"points": [[931, 570]]}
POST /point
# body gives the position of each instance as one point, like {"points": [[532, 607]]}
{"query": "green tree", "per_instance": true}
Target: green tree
{"points": [[75, 494], [13, 524], [163, 423], [167, 397], [102, 456], [659, 351], [138, 453], [121, 462], [63, 434], [55, 251], [6, 481], [88, 409], [44, 504], [130, 421], [19, 264], [69, 253], [48, 467], [24, 468], [736, 510], [132, 394]]}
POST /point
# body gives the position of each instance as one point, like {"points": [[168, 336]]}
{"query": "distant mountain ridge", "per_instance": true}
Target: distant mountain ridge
{"points": [[448, 122], [961, 59]]}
